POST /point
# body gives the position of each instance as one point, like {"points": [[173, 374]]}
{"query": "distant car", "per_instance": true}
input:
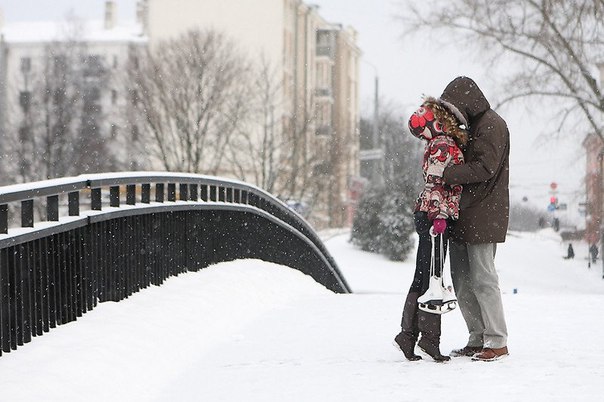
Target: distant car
{"points": [[300, 207]]}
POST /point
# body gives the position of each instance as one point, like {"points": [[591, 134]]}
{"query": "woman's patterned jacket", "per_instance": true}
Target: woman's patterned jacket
{"points": [[440, 128]]}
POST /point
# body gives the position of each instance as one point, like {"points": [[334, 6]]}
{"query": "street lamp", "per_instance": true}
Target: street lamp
{"points": [[376, 140], [376, 153]]}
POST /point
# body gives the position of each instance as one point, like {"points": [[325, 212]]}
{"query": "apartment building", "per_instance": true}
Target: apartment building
{"points": [[317, 62], [32, 54], [314, 61], [594, 148], [594, 183]]}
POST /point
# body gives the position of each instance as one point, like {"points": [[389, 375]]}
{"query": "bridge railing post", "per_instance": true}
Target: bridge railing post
{"points": [[172, 192], [145, 193], [131, 194], [159, 192], [27, 213], [52, 208], [183, 192], [193, 192], [96, 202], [73, 203], [114, 196], [4, 218]]}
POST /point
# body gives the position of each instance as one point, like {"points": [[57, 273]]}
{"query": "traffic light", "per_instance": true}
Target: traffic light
{"points": [[553, 202]]}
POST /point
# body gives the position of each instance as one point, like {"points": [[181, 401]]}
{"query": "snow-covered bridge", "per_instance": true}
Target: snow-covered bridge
{"points": [[66, 244]]}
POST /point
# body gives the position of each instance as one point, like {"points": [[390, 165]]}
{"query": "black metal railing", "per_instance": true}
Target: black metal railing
{"points": [[67, 244]]}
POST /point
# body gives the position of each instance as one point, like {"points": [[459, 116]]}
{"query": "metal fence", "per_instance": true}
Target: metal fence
{"points": [[67, 244]]}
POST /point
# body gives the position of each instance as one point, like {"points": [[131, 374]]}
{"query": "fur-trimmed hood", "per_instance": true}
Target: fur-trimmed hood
{"points": [[448, 120]]}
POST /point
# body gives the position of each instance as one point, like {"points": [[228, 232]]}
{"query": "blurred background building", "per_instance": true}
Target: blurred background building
{"points": [[58, 77], [316, 64], [594, 183]]}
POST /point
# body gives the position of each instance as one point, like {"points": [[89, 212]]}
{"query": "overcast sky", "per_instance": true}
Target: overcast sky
{"points": [[402, 76], [407, 68]]}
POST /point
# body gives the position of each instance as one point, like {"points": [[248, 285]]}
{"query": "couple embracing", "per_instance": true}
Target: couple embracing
{"points": [[464, 200]]}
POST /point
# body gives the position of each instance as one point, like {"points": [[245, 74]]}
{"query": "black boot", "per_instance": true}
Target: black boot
{"points": [[429, 326], [407, 338]]}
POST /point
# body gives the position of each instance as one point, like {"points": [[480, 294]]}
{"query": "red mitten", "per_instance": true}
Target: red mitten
{"points": [[439, 226]]}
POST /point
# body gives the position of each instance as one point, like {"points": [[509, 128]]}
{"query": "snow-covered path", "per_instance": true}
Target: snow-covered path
{"points": [[338, 347], [253, 331]]}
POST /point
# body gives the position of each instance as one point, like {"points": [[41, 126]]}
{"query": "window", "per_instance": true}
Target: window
{"points": [[24, 133], [59, 96], [322, 168], [134, 60], [25, 64], [113, 96], [93, 66], [115, 61], [135, 133], [91, 95], [60, 64], [323, 116], [323, 38], [323, 130], [325, 42], [25, 100], [113, 131]]}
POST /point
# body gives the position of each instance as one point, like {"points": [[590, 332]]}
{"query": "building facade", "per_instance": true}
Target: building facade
{"points": [[317, 65], [594, 147], [314, 63], [594, 183], [38, 59]]}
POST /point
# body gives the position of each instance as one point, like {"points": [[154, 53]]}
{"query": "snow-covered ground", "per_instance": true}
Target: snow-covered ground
{"points": [[254, 331]]}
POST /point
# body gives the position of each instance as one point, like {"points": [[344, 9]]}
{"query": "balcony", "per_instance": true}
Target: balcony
{"points": [[323, 93], [326, 43]]}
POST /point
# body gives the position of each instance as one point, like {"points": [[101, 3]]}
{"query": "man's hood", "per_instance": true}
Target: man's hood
{"points": [[465, 99]]}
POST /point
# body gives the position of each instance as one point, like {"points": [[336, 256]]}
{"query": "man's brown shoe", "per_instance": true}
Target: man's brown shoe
{"points": [[467, 351], [491, 354]]}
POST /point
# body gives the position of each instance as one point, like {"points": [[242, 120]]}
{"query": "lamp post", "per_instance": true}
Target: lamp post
{"points": [[376, 153]]}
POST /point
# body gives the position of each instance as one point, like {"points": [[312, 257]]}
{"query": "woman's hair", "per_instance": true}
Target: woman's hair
{"points": [[447, 119]]}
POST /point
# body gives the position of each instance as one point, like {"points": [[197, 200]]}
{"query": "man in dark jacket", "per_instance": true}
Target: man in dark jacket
{"points": [[483, 219]]}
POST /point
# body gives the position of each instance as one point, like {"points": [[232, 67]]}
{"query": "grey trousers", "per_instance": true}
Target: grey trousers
{"points": [[477, 288]]}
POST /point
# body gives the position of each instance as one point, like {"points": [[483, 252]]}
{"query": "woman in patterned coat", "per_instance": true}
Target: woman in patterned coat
{"points": [[436, 209]]}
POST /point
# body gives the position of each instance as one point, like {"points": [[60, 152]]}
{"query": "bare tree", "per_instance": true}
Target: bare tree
{"points": [[310, 157], [384, 218], [306, 164], [261, 135], [402, 151], [279, 147], [191, 95], [400, 169], [555, 44]]}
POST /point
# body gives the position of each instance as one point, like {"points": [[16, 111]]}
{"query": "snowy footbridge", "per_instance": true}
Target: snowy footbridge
{"points": [[66, 244]]}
